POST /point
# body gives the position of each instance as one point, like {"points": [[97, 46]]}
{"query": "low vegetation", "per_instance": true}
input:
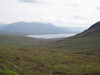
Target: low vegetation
{"points": [[86, 45], [32, 61]]}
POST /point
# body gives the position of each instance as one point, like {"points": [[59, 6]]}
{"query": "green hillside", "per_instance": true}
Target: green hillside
{"points": [[22, 41], [87, 42]]}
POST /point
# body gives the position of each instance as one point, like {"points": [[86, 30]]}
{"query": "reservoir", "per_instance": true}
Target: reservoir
{"points": [[50, 36]]}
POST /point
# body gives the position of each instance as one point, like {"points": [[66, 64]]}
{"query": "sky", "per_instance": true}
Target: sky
{"points": [[72, 13]]}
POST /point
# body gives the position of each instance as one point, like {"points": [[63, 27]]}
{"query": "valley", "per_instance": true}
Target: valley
{"points": [[75, 55]]}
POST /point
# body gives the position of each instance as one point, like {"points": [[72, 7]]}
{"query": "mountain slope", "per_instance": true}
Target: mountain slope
{"points": [[94, 30], [87, 42], [34, 28]]}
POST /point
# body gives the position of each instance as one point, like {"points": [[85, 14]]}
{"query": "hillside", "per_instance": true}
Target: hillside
{"points": [[76, 55], [94, 30], [22, 41], [87, 42], [33, 28]]}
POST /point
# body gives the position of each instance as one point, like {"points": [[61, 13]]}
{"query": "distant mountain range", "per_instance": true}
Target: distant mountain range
{"points": [[33, 28], [1, 24]]}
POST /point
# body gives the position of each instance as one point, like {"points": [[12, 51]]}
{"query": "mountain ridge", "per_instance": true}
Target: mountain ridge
{"points": [[93, 30], [34, 28]]}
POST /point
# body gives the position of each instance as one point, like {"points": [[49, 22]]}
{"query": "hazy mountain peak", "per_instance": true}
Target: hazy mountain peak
{"points": [[34, 28]]}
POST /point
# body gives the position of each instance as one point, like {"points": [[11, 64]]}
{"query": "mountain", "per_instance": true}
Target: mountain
{"points": [[93, 30], [2, 24], [34, 28], [87, 42]]}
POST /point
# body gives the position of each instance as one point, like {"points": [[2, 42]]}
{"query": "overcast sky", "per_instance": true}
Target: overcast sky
{"points": [[80, 13]]}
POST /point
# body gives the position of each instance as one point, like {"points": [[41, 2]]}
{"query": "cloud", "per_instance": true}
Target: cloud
{"points": [[58, 12], [3, 20], [98, 7], [78, 17], [32, 1]]}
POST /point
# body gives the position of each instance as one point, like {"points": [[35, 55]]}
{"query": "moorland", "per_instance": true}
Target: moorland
{"points": [[75, 55]]}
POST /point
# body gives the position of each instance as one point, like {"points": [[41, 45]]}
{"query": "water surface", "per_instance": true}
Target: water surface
{"points": [[50, 36]]}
